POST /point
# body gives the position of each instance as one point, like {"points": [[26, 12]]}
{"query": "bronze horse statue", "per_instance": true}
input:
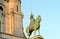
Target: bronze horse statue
{"points": [[32, 21], [34, 25]]}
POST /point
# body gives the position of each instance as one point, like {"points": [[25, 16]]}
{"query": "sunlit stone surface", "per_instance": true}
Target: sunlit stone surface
{"points": [[11, 18]]}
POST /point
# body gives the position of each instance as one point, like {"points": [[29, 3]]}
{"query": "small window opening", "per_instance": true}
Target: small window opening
{"points": [[17, 8]]}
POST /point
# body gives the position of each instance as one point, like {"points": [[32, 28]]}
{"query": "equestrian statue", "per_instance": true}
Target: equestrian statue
{"points": [[34, 25]]}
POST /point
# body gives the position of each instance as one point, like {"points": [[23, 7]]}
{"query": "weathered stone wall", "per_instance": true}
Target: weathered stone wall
{"points": [[11, 23]]}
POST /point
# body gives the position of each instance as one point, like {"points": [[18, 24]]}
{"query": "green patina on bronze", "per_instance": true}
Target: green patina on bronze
{"points": [[34, 25]]}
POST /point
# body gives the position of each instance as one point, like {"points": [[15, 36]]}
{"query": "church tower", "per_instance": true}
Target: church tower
{"points": [[11, 17]]}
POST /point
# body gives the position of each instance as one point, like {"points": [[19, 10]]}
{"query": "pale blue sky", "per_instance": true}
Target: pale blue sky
{"points": [[50, 13]]}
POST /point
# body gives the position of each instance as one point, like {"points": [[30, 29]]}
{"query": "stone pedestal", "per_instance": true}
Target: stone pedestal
{"points": [[38, 37]]}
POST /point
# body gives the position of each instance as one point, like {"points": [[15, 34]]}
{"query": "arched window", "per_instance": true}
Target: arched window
{"points": [[1, 8]]}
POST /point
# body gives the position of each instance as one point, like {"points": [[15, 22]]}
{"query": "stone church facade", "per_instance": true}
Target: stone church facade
{"points": [[11, 18]]}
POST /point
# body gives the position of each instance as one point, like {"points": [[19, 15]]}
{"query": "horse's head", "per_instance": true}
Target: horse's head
{"points": [[38, 19], [29, 31]]}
